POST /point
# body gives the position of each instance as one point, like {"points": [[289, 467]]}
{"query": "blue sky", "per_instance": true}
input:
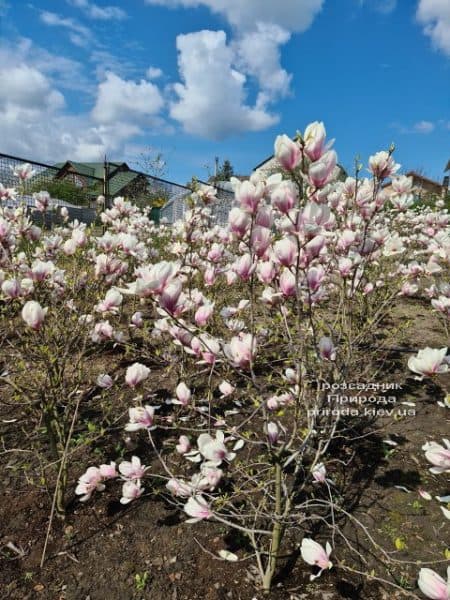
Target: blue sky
{"points": [[196, 79]]}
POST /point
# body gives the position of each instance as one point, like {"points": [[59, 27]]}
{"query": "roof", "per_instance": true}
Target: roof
{"points": [[447, 168], [423, 178]]}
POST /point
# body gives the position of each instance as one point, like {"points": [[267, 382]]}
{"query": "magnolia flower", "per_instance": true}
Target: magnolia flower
{"points": [[241, 350], [108, 471], [104, 381], [130, 491], [179, 488], [287, 152], [433, 585], [383, 165], [214, 450], [197, 508], [429, 361], [226, 389], [319, 473], [90, 481], [111, 303], [136, 374], [314, 554], [272, 432], [41, 201], [137, 320], [24, 171], [183, 394], [314, 137], [184, 445], [132, 469], [203, 314], [141, 417], [327, 350], [33, 314], [438, 455]]}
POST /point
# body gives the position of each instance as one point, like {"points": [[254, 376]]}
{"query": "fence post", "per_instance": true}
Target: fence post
{"points": [[106, 183]]}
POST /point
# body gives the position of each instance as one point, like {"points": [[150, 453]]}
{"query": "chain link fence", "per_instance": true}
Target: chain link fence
{"points": [[77, 186]]}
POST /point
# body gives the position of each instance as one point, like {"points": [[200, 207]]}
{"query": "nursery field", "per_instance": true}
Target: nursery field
{"points": [[244, 412]]}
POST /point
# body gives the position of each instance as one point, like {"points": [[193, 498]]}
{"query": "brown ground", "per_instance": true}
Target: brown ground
{"points": [[101, 547]]}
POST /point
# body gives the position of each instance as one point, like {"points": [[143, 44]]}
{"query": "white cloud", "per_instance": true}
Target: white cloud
{"points": [[35, 124], [291, 15], [103, 13], [124, 100], [153, 73], [211, 99], [258, 54], [78, 33], [434, 15], [423, 127]]}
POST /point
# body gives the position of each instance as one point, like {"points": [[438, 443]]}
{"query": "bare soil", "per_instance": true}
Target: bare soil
{"points": [[100, 548]]}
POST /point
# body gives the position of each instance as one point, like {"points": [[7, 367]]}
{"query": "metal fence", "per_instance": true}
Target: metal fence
{"points": [[78, 189]]}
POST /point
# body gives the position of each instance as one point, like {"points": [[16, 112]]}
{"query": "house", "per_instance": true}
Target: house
{"points": [[423, 187], [122, 181]]}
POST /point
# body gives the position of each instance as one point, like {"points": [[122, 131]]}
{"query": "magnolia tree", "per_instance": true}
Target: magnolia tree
{"points": [[258, 321]]}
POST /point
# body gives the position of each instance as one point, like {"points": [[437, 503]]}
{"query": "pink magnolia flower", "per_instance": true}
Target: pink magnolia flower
{"points": [[314, 278], [287, 152], [41, 201], [130, 491], [108, 471], [90, 481], [287, 283], [103, 330], [33, 314], [183, 394], [266, 271], [214, 449], [260, 240], [439, 456], [133, 469], [433, 585], [244, 267], [314, 554], [272, 432], [24, 171], [179, 488], [171, 298], [284, 197], [429, 361], [319, 473], [184, 445], [321, 171], [314, 138], [140, 417], [239, 221], [111, 303], [104, 381], [11, 288], [210, 477], [136, 374], [137, 319], [382, 165], [203, 314], [285, 251], [249, 196], [327, 350], [241, 350], [197, 508], [226, 389]]}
